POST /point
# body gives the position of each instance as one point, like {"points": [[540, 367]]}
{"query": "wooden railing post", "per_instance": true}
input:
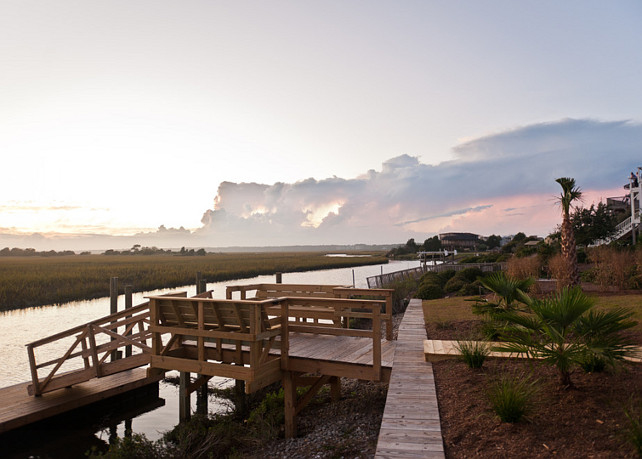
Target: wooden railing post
{"points": [[34, 370], [279, 278], [113, 308], [93, 350], [128, 305]]}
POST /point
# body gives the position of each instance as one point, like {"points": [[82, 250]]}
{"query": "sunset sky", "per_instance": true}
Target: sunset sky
{"points": [[221, 123]]}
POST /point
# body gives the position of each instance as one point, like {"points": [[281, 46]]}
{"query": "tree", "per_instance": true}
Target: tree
{"points": [[570, 194], [432, 244], [593, 224], [493, 241]]}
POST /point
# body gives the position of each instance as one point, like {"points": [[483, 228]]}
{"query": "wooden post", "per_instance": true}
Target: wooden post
{"points": [[128, 304], [113, 307], [289, 392], [335, 388], [184, 409], [279, 278], [200, 284], [201, 392]]}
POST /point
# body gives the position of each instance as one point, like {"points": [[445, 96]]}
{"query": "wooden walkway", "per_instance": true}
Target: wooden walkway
{"points": [[410, 427], [436, 350], [18, 408]]}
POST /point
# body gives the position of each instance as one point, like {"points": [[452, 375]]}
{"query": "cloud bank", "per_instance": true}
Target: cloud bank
{"points": [[498, 184]]}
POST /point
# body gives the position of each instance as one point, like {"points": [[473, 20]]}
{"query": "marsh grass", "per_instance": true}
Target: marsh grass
{"points": [[34, 281]]}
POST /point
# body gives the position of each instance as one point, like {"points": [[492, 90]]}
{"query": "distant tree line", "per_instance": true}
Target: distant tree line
{"points": [[137, 249], [433, 244], [16, 252]]}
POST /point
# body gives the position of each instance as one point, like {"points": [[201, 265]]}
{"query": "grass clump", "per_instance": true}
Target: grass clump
{"points": [[512, 397], [473, 353], [633, 430]]}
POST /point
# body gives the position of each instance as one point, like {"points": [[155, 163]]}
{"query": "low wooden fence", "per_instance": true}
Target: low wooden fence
{"points": [[384, 280]]}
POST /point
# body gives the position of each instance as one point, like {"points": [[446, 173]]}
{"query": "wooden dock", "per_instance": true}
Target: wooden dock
{"points": [[18, 408], [300, 341], [410, 427]]}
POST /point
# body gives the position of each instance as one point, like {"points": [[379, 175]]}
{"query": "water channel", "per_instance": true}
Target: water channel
{"points": [[19, 327]]}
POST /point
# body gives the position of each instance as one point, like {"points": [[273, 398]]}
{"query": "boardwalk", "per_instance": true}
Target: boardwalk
{"points": [[18, 408], [410, 426]]}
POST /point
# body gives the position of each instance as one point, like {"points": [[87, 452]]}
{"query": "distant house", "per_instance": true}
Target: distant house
{"points": [[459, 241]]}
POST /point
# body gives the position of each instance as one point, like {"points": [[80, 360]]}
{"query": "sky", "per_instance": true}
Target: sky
{"points": [[226, 123]]}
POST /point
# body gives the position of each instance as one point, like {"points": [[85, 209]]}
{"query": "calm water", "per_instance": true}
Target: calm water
{"points": [[19, 327]]}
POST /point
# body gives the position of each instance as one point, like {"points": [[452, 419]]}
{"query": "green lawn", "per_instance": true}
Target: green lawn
{"points": [[457, 308]]}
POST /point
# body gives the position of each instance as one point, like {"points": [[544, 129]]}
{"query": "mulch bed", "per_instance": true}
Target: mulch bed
{"points": [[587, 421]]}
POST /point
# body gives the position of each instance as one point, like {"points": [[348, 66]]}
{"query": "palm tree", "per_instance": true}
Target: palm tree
{"points": [[565, 331], [570, 194]]}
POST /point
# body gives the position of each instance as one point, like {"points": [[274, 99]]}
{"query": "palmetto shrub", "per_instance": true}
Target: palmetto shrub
{"points": [[565, 331]]}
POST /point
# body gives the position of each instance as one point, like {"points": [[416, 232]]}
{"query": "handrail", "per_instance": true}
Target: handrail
{"points": [[96, 345], [342, 308]]}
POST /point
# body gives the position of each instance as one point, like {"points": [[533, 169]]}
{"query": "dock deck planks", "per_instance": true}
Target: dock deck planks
{"points": [[410, 427], [18, 408]]}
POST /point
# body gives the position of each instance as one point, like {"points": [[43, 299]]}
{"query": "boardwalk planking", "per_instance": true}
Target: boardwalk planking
{"points": [[18, 408], [410, 426]]}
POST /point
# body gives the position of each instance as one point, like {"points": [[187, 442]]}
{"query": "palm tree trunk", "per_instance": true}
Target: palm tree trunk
{"points": [[569, 252]]}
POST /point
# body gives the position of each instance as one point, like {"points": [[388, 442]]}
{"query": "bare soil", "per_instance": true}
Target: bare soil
{"points": [[587, 421]]}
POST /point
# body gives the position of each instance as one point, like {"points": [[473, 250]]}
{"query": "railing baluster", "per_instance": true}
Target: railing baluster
{"points": [[94, 351]]}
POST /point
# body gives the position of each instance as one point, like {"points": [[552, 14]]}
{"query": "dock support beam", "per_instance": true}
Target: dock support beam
{"points": [[289, 392]]}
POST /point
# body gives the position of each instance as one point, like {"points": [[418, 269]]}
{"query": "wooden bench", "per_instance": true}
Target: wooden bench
{"points": [[226, 338], [263, 291]]}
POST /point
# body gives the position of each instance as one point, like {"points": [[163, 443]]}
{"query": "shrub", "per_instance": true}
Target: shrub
{"points": [[473, 288], [612, 267], [523, 268], [445, 276], [432, 277], [137, 446], [454, 285], [473, 353], [592, 363], [403, 289], [469, 274], [512, 398], [557, 269], [429, 291]]}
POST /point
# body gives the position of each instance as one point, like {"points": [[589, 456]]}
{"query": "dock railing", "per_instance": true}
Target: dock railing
{"points": [[92, 344], [383, 280]]}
